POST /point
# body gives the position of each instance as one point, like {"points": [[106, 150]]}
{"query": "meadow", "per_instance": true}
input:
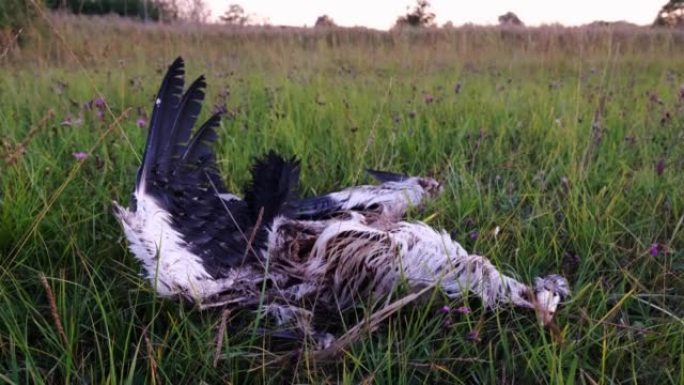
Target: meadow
{"points": [[569, 141]]}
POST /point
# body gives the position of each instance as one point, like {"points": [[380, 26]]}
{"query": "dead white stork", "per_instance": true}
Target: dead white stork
{"points": [[197, 241]]}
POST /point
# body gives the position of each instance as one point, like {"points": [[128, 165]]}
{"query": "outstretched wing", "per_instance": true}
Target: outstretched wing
{"points": [[392, 198], [179, 173], [179, 182]]}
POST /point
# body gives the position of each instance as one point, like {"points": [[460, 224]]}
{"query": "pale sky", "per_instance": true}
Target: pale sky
{"points": [[381, 14]]}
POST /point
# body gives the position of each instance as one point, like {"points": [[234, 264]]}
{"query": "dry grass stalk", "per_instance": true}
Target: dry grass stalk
{"points": [[53, 309], [219, 335]]}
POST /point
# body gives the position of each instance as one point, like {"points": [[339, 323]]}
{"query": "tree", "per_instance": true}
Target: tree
{"points": [[510, 19], [195, 11], [325, 21], [14, 15], [671, 15], [235, 15], [419, 16]]}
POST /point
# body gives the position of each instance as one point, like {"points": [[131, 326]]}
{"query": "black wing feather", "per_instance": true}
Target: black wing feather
{"points": [[189, 109], [164, 112], [386, 176], [179, 171]]}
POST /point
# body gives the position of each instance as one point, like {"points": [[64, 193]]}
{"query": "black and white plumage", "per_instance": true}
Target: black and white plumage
{"points": [[196, 240]]}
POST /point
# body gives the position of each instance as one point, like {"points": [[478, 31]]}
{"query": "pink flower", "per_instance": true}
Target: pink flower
{"points": [[445, 309], [79, 155]]}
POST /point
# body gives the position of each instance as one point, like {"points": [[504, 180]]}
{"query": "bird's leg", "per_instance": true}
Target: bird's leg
{"points": [[428, 255], [478, 275]]}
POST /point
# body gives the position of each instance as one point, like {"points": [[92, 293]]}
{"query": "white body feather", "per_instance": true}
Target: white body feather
{"points": [[169, 266]]}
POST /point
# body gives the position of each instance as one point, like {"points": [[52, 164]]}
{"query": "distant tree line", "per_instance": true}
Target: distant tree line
{"points": [[144, 9], [155, 10], [14, 14]]}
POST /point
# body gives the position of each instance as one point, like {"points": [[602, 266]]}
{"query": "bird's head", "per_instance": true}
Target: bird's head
{"points": [[549, 292]]}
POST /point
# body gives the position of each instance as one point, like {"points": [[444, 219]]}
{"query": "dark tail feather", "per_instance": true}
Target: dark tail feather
{"points": [[386, 176], [164, 112], [275, 181]]}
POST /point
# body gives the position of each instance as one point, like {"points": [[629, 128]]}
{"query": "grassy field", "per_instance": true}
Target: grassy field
{"points": [[571, 141]]}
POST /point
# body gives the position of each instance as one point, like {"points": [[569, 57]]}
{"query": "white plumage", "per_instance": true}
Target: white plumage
{"points": [[197, 241]]}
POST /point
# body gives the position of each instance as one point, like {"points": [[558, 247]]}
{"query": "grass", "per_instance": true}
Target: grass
{"points": [[571, 141]]}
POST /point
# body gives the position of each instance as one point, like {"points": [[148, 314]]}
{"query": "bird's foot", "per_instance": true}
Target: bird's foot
{"points": [[549, 292]]}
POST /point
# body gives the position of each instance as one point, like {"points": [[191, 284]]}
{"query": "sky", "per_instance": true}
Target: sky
{"points": [[381, 14]]}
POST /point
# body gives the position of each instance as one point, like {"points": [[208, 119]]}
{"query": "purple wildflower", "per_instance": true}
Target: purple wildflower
{"points": [[465, 310], [220, 108], [474, 234], [445, 309], [653, 250], [429, 98], [473, 336], [660, 167], [457, 88], [79, 155], [141, 122], [99, 103]]}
